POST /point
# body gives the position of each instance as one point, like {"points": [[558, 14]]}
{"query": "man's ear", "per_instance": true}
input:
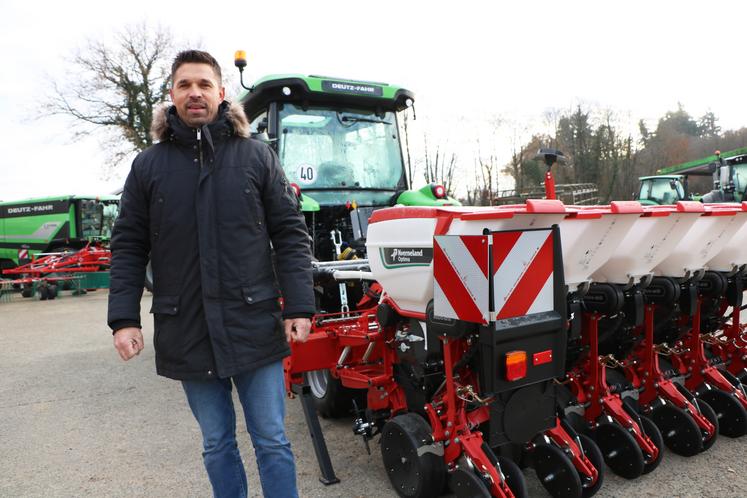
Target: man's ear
{"points": [[222, 93], [171, 94]]}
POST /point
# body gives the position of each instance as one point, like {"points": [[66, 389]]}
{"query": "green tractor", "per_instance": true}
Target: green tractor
{"points": [[663, 189], [339, 143], [728, 171]]}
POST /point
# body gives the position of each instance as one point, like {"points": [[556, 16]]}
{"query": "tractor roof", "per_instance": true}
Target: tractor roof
{"points": [[323, 90], [705, 166], [663, 177]]}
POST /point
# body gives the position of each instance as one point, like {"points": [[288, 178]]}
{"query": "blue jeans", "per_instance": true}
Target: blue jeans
{"points": [[262, 396]]}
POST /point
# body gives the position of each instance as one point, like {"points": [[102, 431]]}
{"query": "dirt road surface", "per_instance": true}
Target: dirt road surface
{"points": [[76, 421]]}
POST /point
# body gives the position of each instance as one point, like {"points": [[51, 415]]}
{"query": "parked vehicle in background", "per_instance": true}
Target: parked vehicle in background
{"points": [[30, 227]]}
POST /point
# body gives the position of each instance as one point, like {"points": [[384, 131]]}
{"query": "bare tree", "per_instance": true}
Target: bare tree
{"points": [[410, 166], [440, 166], [114, 88]]}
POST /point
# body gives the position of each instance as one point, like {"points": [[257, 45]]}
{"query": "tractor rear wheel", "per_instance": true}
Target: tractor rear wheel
{"points": [[331, 398], [414, 469], [149, 277]]}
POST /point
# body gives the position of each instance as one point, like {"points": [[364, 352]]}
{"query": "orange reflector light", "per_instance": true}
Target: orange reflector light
{"points": [[516, 365]]}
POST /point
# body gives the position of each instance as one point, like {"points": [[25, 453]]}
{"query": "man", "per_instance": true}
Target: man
{"points": [[205, 203]]}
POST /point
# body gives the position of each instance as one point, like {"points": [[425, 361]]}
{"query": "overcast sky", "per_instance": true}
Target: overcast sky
{"points": [[467, 62]]}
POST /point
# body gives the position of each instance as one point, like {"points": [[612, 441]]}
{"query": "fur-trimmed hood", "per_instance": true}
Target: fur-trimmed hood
{"points": [[159, 129]]}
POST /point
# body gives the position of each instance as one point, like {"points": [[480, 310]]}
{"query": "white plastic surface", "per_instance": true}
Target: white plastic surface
{"points": [[646, 244], [589, 243], [706, 238], [412, 287], [734, 253]]}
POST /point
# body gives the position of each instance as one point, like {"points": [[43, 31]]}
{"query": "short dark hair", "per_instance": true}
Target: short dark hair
{"points": [[198, 56]]}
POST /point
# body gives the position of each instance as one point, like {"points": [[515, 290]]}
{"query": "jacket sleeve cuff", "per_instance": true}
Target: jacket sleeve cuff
{"points": [[121, 324], [297, 315]]}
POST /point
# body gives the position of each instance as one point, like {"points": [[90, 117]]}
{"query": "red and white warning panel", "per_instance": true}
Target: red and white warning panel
{"points": [[460, 277], [521, 271]]}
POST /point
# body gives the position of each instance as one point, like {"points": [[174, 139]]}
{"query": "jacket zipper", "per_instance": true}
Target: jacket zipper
{"points": [[199, 144]]}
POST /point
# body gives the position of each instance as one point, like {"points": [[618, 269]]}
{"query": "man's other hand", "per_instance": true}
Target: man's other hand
{"points": [[297, 329], [128, 342]]}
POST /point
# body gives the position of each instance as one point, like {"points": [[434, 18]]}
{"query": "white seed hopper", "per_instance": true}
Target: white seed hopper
{"points": [[400, 241], [707, 237], [734, 253], [655, 233]]}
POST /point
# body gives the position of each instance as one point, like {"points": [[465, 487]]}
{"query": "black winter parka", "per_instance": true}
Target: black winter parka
{"points": [[205, 204]]}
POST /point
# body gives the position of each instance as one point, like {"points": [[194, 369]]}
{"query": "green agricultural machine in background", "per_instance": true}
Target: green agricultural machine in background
{"points": [[728, 170], [53, 224]]}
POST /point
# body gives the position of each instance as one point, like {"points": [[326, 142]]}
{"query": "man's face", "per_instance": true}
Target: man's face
{"points": [[196, 93]]}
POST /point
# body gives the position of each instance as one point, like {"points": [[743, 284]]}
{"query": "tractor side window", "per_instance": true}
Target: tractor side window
{"points": [[258, 124]]}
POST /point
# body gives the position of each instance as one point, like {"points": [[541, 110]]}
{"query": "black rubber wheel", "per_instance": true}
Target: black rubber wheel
{"points": [[594, 454], [51, 291], [619, 450], [331, 398], [27, 291], [731, 415], [708, 412], [653, 432], [413, 470], [680, 432], [43, 293], [555, 471], [514, 477], [465, 483]]}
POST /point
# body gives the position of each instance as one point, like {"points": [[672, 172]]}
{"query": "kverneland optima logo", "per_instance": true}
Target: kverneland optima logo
{"points": [[407, 256]]}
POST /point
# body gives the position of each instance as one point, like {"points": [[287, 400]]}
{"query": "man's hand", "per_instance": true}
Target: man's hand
{"points": [[128, 342], [297, 329]]}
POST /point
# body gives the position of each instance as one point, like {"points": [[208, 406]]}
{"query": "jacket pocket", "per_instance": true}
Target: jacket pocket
{"points": [[259, 293], [165, 305]]}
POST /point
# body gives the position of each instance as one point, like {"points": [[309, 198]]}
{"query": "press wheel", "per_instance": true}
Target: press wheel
{"points": [[731, 415], [594, 454], [653, 432], [708, 412], [465, 483], [413, 470], [514, 477], [555, 471], [620, 450], [680, 432]]}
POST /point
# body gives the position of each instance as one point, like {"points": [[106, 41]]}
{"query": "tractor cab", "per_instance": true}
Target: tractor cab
{"points": [[660, 190], [339, 143]]}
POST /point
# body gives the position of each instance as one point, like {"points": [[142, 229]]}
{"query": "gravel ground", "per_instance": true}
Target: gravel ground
{"points": [[77, 421]]}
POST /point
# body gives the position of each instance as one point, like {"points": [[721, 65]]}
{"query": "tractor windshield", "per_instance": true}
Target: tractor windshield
{"points": [[333, 149], [662, 190], [96, 218]]}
